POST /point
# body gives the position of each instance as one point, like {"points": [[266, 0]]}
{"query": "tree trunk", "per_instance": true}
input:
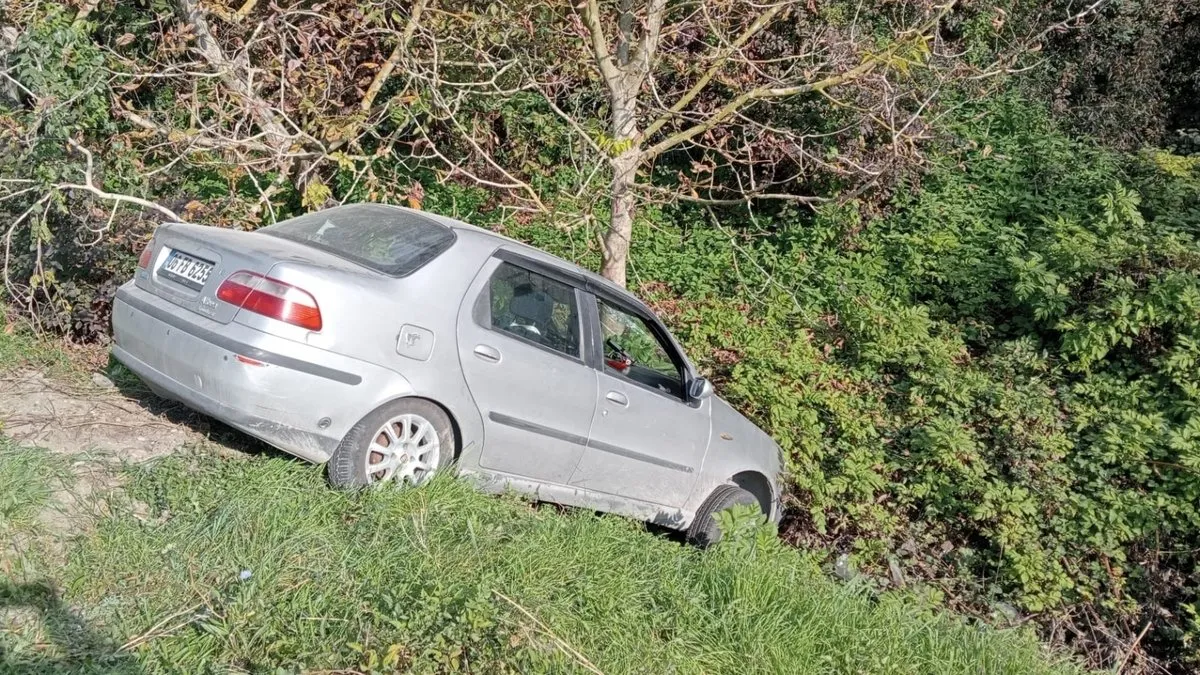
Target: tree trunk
{"points": [[623, 94], [620, 224]]}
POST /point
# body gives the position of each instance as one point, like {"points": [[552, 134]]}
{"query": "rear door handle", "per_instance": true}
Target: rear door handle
{"points": [[487, 353], [617, 397]]}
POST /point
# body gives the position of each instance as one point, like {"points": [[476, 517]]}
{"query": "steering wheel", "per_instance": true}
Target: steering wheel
{"points": [[526, 328]]}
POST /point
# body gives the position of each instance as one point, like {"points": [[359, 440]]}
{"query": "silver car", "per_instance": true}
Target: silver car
{"points": [[393, 344]]}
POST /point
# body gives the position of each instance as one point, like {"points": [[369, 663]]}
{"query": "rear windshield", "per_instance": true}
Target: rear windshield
{"points": [[385, 239]]}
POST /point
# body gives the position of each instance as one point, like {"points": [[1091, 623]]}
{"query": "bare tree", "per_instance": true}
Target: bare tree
{"points": [[743, 102], [699, 81], [654, 115], [712, 101]]}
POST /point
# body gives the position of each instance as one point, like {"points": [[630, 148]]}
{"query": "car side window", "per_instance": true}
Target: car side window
{"points": [[633, 351], [535, 308]]}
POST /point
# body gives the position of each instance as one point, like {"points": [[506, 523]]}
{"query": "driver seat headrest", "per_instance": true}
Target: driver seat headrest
{"points": [[532, 305]]}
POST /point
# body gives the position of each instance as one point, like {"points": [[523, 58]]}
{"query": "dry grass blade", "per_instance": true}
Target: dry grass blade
{"points": [[157, 629], [545, 630]]}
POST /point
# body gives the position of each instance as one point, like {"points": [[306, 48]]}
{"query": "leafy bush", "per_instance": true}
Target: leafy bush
{"points": [[996, 383], [63, 254]]}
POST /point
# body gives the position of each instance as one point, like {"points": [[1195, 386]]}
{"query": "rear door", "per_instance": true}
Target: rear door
{"points": [[647, 440], [520, 337]]}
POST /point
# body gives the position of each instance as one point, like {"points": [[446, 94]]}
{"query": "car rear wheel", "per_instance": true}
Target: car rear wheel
{"points": [[704, 531], [402, 443]]}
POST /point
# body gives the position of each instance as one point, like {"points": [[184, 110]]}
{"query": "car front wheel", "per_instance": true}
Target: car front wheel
{"points": [[404, 442], [704, 531]]}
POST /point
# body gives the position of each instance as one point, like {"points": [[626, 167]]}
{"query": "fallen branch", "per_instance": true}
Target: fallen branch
{"points": [[385, 71], [562, 644], [90, 186], [231, 74], [157, 629], [1132, 648]]}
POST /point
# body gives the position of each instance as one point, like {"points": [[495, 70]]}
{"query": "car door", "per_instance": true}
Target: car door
{"points": [[647, 439], [520, 344]]}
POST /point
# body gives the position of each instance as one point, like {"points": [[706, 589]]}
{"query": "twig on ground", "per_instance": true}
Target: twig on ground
{"points": [[1133, 647], [562, 644], [157, 629]]}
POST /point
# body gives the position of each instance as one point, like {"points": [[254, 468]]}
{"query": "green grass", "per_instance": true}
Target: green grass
{"points": [[27, 481], [445, 579], [39, 633], [20, 349], [439, 579]]}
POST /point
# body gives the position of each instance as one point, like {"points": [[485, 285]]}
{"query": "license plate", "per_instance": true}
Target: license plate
{"points": [[187, 270]]}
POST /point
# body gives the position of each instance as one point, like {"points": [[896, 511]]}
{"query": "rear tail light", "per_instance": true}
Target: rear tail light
{"points": [[272, 298], [144, 258]]}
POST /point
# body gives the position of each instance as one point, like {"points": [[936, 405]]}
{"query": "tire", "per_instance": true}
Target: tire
{"points": [[704, 531], [421, 435]]}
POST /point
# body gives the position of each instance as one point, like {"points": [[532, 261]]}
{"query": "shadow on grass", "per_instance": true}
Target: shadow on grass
{"points": [[75, 648]]}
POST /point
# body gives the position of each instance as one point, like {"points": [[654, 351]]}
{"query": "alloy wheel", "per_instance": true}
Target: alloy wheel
{"points": [[404, 450]]}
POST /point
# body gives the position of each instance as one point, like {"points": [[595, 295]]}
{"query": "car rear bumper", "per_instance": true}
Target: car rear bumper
{"points": [[298, 398]]}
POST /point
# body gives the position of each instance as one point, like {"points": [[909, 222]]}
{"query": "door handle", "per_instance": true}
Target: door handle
{"points": [[617, 397], [487, 353]]}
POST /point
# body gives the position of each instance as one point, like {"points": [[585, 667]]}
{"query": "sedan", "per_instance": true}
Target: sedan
{"points": [[394, 344]]}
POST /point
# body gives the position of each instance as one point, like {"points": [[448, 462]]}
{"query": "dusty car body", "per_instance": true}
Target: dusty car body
{"points": [[536, 375]]}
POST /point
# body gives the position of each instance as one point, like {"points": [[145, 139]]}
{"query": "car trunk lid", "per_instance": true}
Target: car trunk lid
{"points": [[189, 262]]}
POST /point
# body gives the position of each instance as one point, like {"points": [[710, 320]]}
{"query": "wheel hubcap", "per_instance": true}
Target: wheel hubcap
{"points": [[405, 450]]}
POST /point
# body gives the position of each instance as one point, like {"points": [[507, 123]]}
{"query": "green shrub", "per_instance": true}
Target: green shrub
{"points": [[997, 381]]}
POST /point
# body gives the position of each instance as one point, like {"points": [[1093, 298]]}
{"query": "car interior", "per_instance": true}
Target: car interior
{"points": [[633, 351], [544, 311], [535, 308]]}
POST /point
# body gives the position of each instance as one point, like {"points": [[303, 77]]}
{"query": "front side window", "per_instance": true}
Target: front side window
{"points": [[535, 308], [632, 350]]}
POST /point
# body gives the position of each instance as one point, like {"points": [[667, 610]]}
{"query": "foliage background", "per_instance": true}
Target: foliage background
{"points": [[985, 372]]}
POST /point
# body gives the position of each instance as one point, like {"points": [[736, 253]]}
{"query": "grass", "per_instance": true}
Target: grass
{"points": [[27, 481], [19, 349], [39, 633], [211, 564]]}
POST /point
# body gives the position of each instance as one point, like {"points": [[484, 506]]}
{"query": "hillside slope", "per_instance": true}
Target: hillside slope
{"points": [[214, 560]]}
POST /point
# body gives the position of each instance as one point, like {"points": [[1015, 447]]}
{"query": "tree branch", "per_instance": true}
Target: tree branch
{"points": [[388, 66], [234, 17], [742, 199], [754, 28], [85, 9], [574, 124], [1004, 65], [244, 10], [868, 64], [648, 45], [230, 73], [624, 31], [590, 15], [759, 93], [90, 186]]}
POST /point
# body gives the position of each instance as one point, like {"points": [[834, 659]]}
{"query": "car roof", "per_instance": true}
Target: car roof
{"points": [[581, 276]]}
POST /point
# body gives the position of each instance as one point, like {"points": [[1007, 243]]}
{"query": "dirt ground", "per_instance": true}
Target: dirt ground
{"points": [[73, 419], [95, 428]]}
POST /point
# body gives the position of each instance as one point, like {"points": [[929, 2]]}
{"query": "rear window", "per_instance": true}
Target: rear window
{"points": [[385, 239]]}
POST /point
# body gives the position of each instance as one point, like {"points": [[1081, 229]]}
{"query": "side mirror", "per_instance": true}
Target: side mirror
{"points": [[699, 388]]}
